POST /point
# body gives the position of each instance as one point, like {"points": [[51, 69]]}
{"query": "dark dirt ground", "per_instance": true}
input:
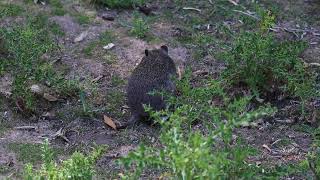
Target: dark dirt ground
{"points": [[277, 141]]}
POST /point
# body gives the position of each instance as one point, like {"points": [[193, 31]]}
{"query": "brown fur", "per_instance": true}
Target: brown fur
{"points": [[153, 73]]}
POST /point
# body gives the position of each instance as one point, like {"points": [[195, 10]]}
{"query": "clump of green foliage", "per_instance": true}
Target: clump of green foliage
{"points": [[312, 161], [27, 153], [79, 166], [26, 44], [209, 153], [10, 10], [83, 19], [140, 27], [57, 7], [118, 4], [265, 64]]}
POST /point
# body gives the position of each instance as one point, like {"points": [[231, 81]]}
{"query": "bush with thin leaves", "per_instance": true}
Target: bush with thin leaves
{"points": [[209, 153], [79, 166]]}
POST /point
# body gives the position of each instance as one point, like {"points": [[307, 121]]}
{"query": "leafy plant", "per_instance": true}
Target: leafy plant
{"points": [[10, 10], [267, 65], [57, 7], [78, 166], [139, 26], [26, 44], [263, 63], [208, 153]]}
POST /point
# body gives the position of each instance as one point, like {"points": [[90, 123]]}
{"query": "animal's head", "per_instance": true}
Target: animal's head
{"points": [[162, 51]]}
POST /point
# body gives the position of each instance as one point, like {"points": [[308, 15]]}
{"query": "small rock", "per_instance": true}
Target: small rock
{"points": [[36, 89], [108, 16], [6, 85], [81, 37], [109, 46], [49, 97], [48, 115]]}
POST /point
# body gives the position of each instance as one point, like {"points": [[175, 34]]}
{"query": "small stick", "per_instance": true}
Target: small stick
{"points": [[191, 8], [25, 127], [233, 2], [245, 13]]}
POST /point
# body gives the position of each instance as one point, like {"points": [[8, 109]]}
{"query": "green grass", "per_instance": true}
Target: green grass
{"points": [[57, 7], [140, 27], [26, 153], [26, 65], [82, 19], [56, 29], [10, 10], [78, 166], [4, 169], [110, 58], [104, 39], [89, 48], [117, 81], [115, 100], [3, 129]]}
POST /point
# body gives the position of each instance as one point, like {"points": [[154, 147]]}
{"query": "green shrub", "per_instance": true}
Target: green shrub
{"points": [[208, 153], [263, 63], [79, 166], [83, 19], [267, 65], [26, 44], [312, 161], [140, 27], [10, 10], [57, 7]]}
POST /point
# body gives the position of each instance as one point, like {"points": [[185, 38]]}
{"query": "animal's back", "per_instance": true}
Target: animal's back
{"points": [[153, 73]]}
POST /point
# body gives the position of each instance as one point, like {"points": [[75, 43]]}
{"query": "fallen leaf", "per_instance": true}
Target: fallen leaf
{"points": [[109, 122], [48, 114], [97, 79], [179, 73], [49, 97], [108, 46], [267, 147], [81, 37], [21, 105]]}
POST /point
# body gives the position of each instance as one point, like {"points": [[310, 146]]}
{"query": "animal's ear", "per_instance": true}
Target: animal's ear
{"points": [[165, 48], [146, 52]]}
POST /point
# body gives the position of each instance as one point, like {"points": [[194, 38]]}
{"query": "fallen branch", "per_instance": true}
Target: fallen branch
{"points": [[295, 30], [314, 64], [60, 133], [25, 127], [246, 13], [233, 2], [285, 121], [191, 8]]}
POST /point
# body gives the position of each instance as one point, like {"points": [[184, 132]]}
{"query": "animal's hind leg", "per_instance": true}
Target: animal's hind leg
{"points": [[132, 121]]}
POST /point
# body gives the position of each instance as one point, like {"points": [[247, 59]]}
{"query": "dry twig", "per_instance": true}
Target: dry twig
{"points": [[191, 8]]}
